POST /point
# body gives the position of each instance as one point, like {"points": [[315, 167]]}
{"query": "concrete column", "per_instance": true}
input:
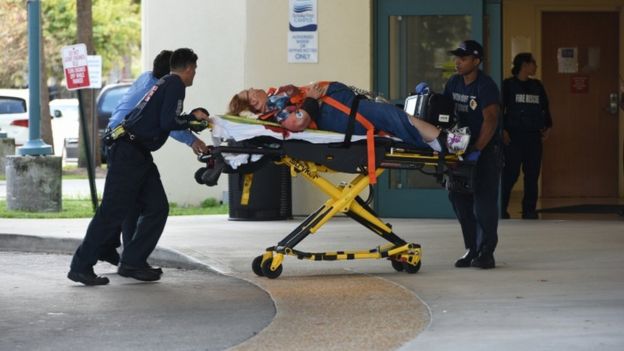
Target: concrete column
{"points": [[34, 183], [7, 147]]}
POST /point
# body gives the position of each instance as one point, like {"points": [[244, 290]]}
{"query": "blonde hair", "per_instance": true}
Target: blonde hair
{"points": [[239, 104]]}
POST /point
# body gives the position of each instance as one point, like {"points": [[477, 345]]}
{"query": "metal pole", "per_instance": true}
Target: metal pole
{"points": [[90, 163], [34, 146], [94, 130]]}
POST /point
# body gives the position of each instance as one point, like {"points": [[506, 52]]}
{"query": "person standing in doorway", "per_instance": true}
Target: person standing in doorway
{"points": [[477, 107], [526, 122]]}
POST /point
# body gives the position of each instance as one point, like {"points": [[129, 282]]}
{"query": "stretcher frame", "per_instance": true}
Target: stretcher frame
{"points": [[343, 198]]}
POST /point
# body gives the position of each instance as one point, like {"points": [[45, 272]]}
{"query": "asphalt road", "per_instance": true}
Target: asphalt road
{"points": [[186, 310]]}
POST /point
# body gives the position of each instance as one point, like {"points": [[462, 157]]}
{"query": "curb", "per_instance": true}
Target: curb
{"points": [[66, 246]]}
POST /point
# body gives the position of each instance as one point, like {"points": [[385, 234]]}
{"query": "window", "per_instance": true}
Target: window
{"points": [[12, 105]]}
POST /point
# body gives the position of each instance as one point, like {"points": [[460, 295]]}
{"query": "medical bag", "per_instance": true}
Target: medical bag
{"points": [[435, 108]]}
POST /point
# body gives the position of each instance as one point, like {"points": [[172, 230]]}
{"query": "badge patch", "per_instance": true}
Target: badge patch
{"points": [[473, 104]]}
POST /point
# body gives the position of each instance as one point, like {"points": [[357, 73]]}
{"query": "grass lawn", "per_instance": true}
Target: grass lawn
{"points": [[81, 208]]}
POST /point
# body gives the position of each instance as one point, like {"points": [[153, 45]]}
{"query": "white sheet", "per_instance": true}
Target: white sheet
{"points": [[228, 130], [224, 129]]}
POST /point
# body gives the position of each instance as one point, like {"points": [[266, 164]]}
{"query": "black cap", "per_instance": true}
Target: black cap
{"points": [[469, 47]]}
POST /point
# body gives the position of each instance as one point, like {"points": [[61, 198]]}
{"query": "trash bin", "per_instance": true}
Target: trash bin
{"points": [[269, 197]]}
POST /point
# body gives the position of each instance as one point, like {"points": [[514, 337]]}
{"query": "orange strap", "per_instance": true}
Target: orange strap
{"points": [[370, 134]]}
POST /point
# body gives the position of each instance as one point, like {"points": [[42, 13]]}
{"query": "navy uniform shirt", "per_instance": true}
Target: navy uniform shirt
{"points": [[471, 99], [162, 114], [525, 106]]}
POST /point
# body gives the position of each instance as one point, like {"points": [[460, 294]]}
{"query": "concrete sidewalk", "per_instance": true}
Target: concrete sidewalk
{"points": [[557, 285]]}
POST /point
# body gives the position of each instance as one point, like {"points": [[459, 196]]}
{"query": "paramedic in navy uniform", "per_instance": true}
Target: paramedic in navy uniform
{"points": [[477, 106], [131, 98], [526, 122], [133, 179]]}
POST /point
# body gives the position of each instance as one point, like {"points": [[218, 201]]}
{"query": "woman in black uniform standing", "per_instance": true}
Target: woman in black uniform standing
{"points": [[527, 122]]}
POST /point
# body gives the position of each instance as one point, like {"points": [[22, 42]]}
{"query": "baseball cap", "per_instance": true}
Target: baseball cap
{"points": [[468, 47]]}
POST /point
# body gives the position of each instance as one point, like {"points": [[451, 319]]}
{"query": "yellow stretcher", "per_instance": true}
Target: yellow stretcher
{"points": [[310, 161]]}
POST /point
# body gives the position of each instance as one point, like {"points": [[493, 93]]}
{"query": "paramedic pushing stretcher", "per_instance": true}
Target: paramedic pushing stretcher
{"points": [[141, 86], [133, 177], [477, 106]]}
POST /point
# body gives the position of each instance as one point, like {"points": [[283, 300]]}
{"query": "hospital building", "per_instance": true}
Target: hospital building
{"points": [[388, 46]]}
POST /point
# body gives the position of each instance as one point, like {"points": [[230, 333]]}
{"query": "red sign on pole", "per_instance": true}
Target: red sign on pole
{"points": [[75, 66]]}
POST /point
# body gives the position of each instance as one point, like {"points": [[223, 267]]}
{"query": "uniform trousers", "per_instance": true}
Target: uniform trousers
{"points": [[133, 181], [524, 150], [478, 212], [129, 225]]}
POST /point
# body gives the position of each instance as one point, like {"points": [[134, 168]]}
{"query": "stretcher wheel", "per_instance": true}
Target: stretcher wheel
{"points": [[267, 272], [397, 265], [256, 266], [411, 269]]}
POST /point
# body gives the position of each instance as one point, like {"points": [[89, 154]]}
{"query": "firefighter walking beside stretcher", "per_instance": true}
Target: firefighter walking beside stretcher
{"points": [[133, 178]]}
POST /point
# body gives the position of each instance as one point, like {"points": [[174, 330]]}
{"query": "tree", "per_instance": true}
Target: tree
{"points": [[116, 31], [84, 26], [116, 36], [14, 45], [14, 53]]}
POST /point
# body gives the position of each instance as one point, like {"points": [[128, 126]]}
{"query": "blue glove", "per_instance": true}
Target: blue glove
{"points": [[473, 156], [421, 88]]}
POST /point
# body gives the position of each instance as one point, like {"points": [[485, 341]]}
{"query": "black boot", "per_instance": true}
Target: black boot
{"points": [[87, 278], [465, 260], [147, 274], [484, 261], [530, 215]]}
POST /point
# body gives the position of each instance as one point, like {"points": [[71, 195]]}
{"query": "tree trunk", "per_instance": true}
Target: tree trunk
{"points": [[84, 26]]}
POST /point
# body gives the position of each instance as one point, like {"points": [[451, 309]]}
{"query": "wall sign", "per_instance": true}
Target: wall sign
{"points": [[94, 62], [302, 31], [567, 60], [579, 84]]}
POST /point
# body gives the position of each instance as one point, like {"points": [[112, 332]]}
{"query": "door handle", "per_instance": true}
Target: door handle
{"points": [[613, 103]]}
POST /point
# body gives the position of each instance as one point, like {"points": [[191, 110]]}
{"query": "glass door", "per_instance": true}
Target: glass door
{"points": [[412, 40]]}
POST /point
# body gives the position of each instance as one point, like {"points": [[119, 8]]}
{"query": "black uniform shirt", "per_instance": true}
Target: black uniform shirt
{"points": [[162, 114], [525, 106]]}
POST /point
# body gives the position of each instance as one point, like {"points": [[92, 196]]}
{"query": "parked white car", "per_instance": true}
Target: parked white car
{"points": [[14, 114], [65, 127]]}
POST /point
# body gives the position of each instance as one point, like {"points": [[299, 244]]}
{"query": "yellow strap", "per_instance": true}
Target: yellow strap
{"points": [[247, 180]]}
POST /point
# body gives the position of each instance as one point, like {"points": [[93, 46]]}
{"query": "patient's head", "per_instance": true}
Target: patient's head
{"points": [[251, 99]]}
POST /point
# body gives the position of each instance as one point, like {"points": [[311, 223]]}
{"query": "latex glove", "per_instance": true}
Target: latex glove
{"points": [[473, 156], [198, 126], [421, 88]]}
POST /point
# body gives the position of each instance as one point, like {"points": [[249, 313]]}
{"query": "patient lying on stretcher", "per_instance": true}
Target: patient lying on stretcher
{"points": [[326, 106]]}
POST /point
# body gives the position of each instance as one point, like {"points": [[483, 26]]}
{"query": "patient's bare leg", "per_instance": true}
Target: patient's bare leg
{"points": [[456, 140], [428, 131]]}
